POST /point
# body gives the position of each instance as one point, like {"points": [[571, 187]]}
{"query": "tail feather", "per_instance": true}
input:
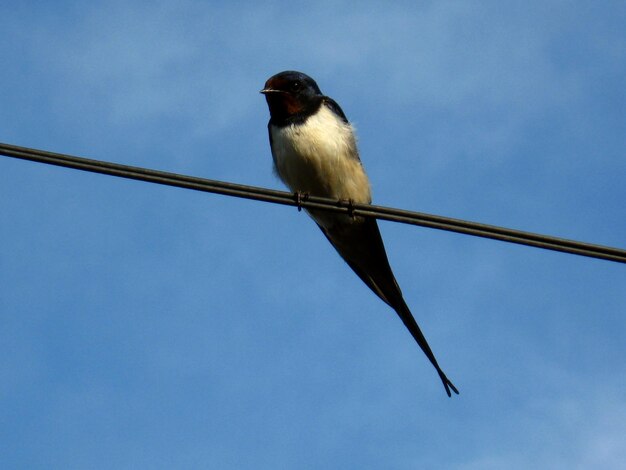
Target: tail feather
{"points": [[359, 243], [409, 321]]}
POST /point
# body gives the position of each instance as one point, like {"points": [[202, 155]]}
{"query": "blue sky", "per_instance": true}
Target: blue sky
{"points": [[151, 327]]}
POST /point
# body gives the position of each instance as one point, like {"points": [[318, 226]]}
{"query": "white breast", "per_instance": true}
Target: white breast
{"points": [[320, 157]]}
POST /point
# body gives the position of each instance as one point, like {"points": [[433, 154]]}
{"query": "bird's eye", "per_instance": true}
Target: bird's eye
{"points": [[295, 86]]}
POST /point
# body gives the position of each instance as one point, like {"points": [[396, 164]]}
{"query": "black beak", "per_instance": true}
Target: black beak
{"points": [[265, 91]]}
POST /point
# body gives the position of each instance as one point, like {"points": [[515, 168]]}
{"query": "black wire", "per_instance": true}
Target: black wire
{"points": [[313, 202]]}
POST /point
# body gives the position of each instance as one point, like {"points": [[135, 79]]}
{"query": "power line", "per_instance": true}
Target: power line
{"points": [[318, 203]]}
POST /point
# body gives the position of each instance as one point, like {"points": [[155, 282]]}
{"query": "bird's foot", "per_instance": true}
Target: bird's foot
{"points": [[351, 208], [300, 197]]}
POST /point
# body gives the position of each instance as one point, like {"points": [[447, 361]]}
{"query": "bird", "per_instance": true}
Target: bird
{"points": [[315, 153]]}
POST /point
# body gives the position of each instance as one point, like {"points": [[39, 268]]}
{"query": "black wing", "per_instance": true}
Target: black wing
{"points": [[361, 246]]}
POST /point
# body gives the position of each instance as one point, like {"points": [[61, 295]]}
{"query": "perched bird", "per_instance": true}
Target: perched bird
{"points": [[315, 153]]}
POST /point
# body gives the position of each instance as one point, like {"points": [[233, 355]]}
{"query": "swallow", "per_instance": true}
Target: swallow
{"points": [[315, 153]]}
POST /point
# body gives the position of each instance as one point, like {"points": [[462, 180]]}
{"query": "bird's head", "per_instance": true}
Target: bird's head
{"points": [[290, 94]]}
